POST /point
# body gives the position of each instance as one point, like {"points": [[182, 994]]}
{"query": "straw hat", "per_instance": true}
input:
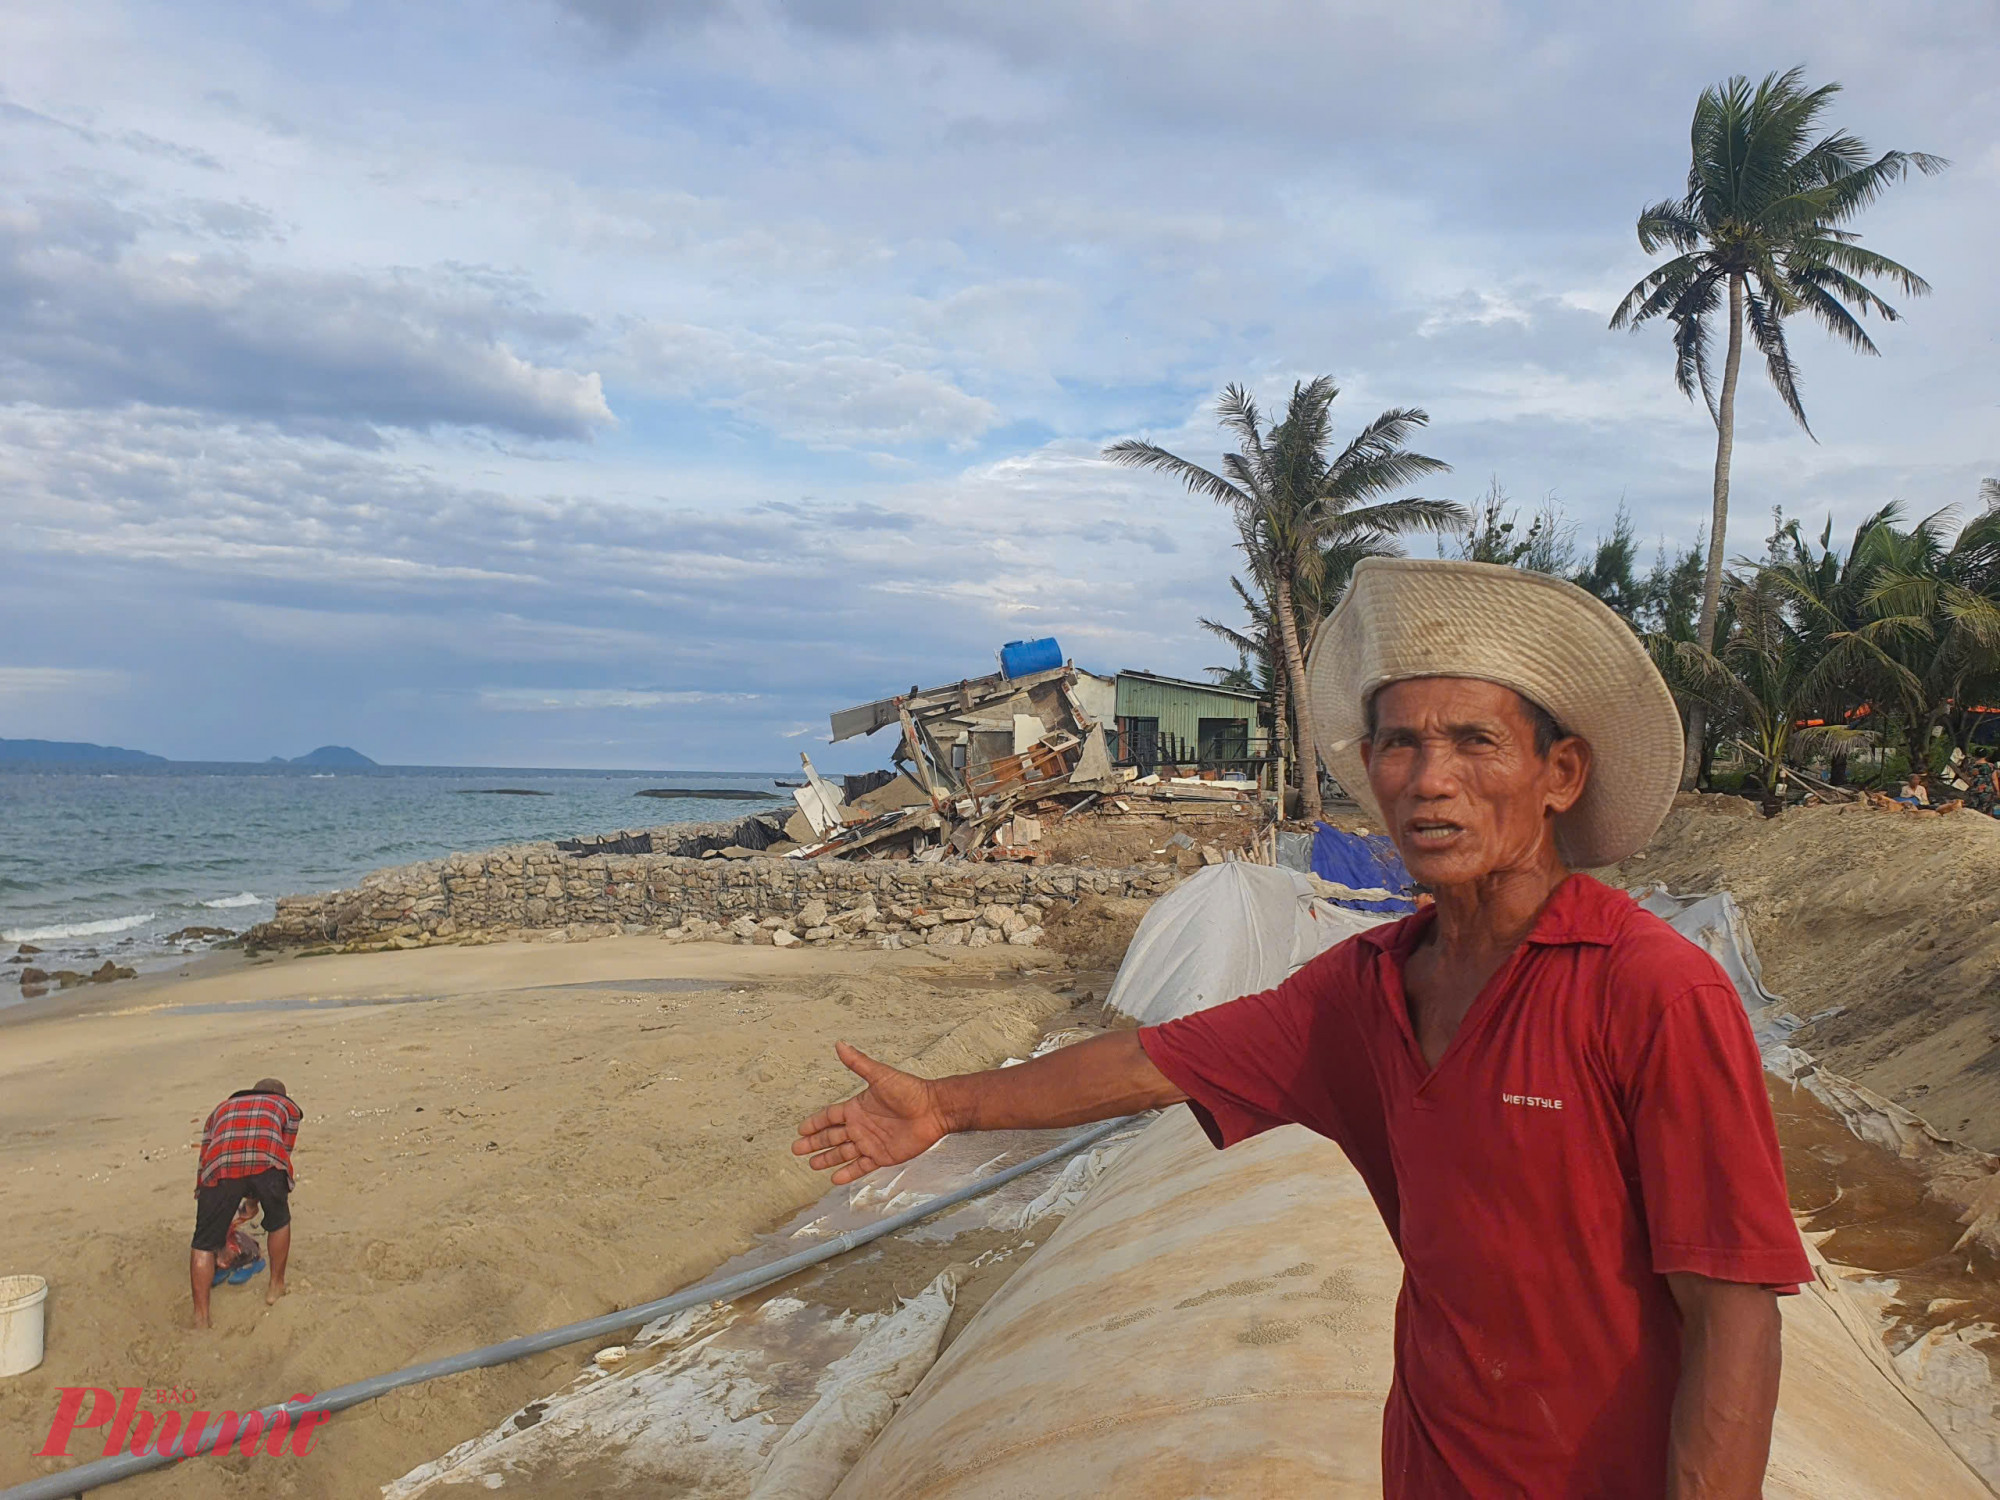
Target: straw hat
{"points": [[1551, 642]]}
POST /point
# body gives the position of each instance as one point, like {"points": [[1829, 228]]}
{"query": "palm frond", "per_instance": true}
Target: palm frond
{"points": [[1690, 315], [1668, 223], [1248, 645], [1239, 414], [1836, 319], [1767, 326], [1854, 189], [1388, 432], [1659, 290], [1842, 255], [1700, 672], [1396, 517], [1136, 454], [1378, 475]]}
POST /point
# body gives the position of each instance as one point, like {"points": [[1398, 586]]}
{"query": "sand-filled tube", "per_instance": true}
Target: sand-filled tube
{"points": [[1204, 1323], [1219, 1324]]}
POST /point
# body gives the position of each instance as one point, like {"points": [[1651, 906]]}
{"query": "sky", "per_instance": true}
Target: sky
{"points": [[634, 382]]}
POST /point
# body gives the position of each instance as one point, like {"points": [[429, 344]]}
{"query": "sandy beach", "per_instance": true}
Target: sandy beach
{"points": [[497, 1139]]}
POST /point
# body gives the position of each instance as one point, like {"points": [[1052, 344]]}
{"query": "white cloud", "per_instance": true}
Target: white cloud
{"points": [[822, 386], [90, 318], [558, 700], [18, 684], [299, 349]]}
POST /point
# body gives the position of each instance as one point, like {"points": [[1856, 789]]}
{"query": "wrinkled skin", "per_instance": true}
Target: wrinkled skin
{"points": [[1466, 796]]}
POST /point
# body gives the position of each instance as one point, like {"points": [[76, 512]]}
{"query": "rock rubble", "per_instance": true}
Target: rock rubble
{"points": [[533, 891]]}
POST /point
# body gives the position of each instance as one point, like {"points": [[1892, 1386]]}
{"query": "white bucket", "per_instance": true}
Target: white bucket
{"points": [[21, 1315]]}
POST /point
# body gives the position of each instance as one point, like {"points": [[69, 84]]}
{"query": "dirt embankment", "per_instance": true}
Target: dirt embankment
{"points": [[1094, 933], [1109, 839], [1879, 929]]}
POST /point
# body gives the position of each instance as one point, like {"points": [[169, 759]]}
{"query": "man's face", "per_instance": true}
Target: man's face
{"points": [[1453, 765]]}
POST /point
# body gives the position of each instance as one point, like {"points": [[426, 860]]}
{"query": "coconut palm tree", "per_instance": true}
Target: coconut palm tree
{"points": [[1765, 679], [1827, 594], [1255, 645], [1940, 603], [1293, 502], [1759, 232], [1258, 668], [1311, 601]]}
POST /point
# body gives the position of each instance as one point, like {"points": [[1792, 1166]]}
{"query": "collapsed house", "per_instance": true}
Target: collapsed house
{"points": [[980, 768], [980, 765]]}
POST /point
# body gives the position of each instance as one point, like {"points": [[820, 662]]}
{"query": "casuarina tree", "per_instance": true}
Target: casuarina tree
{"points": [[1760, 235], [1300, 509]]}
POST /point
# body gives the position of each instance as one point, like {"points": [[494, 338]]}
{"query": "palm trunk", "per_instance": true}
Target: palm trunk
{"points": [[1691, 758], [1960, 724], [1295, 668], [1711, 587], [1280, 730]]}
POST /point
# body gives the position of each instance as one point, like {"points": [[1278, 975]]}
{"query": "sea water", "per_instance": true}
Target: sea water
{"points": [[105, 865]]}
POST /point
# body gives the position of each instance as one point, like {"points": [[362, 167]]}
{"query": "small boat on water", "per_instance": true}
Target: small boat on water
{"points": [[781, 781]]}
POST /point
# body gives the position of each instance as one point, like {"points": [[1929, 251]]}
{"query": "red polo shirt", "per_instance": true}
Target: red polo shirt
{"points": [[1598, 1120]]}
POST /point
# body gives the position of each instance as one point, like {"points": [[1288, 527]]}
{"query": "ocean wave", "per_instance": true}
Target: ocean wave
{"points": [[77, 929], [248, 898]]}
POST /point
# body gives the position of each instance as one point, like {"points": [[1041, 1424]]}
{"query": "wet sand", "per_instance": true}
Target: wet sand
{"points": [[497, 1139]]}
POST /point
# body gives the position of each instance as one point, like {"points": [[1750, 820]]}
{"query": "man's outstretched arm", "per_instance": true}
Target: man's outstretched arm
{"points": [[899, 1115]]}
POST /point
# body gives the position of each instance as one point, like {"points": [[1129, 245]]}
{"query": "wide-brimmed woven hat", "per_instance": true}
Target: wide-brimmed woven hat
{"points": [[1408, 617]]}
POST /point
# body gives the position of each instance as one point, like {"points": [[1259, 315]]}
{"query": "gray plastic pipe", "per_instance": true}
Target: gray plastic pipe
{"points": [[75, 1482]]}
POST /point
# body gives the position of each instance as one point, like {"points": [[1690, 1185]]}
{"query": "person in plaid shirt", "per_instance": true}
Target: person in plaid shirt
{"points": [[246, 1152]]}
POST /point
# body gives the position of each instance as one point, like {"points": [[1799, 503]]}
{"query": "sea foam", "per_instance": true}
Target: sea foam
{"points": [[248, 898], [77, 929]]}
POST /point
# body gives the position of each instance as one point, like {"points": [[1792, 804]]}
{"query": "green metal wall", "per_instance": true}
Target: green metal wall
{"points": [[1180, 709]]}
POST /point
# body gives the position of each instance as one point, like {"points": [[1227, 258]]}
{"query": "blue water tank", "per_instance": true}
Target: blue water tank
{"points": [[1020, 658]]}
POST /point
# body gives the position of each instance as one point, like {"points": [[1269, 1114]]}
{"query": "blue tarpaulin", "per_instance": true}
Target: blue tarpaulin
{"points": [[1363, 863]]}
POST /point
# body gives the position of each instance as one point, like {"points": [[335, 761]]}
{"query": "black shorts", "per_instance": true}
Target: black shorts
{"points": [[215, 1207]]}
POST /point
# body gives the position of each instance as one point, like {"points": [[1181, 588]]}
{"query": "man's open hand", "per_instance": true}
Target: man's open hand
{"points": [[895, 1118]]}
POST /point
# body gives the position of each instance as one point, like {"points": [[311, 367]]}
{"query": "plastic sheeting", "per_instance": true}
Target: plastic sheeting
{"points": [[1363, 862], [1715, 924], [859, 1393], [1295, 851], [1232, 929]]}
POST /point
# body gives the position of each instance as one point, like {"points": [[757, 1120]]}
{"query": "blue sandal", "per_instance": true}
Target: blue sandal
{"points": [[243, 1273]]}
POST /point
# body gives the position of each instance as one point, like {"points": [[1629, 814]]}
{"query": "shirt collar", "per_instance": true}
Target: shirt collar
{"points": [[1580, 911]]}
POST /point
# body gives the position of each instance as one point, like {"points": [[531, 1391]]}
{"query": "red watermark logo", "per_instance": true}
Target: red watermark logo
{"points": [[172, 1434]]}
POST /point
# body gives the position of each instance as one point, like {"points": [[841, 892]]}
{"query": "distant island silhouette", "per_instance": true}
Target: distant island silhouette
{"points": [[330, 757], [74, 753]]}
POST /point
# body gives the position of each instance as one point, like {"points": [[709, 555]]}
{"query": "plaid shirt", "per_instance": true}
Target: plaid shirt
{"points": [[248, 1133]]}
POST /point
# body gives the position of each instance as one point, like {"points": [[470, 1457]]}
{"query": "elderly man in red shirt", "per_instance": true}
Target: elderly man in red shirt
{"points": [[246, 1152], [1554, 1099]]}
